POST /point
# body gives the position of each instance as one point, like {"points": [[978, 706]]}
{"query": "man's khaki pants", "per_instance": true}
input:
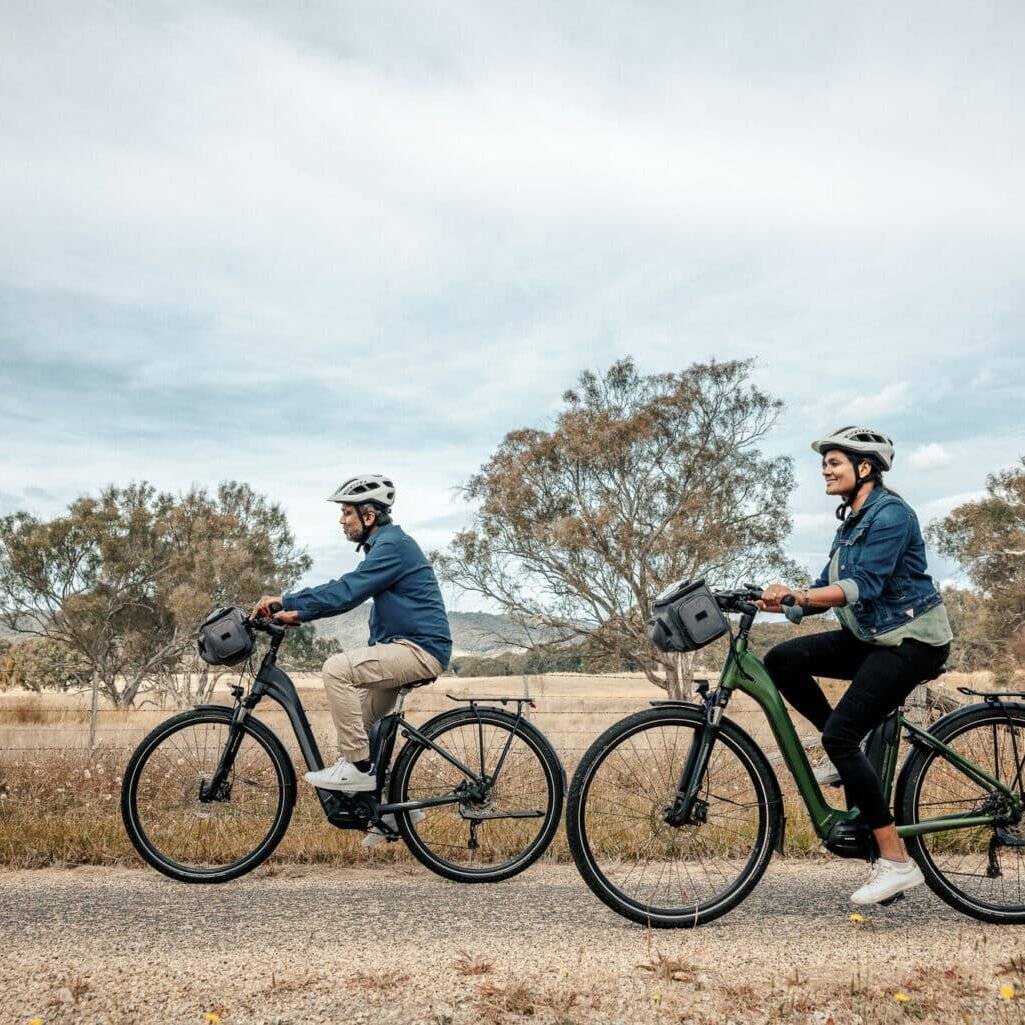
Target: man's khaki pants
{"points": [[362, 686]]}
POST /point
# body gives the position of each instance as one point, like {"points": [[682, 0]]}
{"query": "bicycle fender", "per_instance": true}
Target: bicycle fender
{"points": [[940, 728], [725, 723], [965, 711], [227, 712]]}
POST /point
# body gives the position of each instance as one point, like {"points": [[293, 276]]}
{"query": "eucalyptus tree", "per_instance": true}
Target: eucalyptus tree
{"points": [[121, 580], [641, 480]]}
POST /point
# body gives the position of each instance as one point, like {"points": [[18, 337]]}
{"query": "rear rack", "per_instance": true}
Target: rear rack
{"points": [[503, 699], [992, 695]]}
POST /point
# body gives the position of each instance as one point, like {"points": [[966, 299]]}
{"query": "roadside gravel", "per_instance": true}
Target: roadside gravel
{"points": [[397, 944]]}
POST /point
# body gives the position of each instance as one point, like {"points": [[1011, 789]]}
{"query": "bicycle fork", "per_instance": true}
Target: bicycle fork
{"points": [[218, 787], [688, 809]]}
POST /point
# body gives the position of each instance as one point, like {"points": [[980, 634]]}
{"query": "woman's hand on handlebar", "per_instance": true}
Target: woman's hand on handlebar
{"points": [[775, 597], [270, 607]]}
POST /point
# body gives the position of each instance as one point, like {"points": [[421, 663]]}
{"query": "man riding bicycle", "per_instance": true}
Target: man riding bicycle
{"points": [[409, 632]]}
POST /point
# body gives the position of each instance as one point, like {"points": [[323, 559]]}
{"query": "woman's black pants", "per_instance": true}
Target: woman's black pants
{"points": [[881, 678]]}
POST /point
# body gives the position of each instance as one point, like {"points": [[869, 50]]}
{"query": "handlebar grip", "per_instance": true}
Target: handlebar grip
{"points": [[788, 601], [276, 606]]}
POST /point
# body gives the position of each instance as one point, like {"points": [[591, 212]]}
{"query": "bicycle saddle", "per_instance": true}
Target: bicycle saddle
{"points": [[419, 683]]}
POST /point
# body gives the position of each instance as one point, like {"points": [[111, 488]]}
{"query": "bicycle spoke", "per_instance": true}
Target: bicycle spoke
{"points": [[969, 867], [185, 836], [513, 791], [634, 859]]}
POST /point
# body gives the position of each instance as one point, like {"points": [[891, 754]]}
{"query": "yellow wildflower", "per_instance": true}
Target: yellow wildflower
{"points": [[213, 1017], [901, 998], [1007, 992], [656, 998], [856, 918], [36, 1021]]}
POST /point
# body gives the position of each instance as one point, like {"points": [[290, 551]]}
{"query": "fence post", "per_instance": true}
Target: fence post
{"points": [[92, 715]]}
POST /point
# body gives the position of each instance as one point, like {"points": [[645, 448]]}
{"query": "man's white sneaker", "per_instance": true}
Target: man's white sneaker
{"points": [[343, 775], [375, 835], [888, 878], [826, 774]]}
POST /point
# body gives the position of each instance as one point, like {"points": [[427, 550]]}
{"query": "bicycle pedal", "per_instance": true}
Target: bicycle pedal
{"points": [[891, 900]]}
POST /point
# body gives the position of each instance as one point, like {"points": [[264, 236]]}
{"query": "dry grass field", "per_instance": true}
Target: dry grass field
{"points": [[59, 800], [804, 961]]}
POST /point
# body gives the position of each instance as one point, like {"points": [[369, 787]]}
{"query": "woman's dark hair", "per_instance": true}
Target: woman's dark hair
{"points": [[874, 476]]}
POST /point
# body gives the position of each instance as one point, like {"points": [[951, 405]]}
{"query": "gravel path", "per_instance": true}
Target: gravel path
{"points": [[308, 945]]}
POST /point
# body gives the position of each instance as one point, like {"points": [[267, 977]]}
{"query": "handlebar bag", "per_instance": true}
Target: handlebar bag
{"points": [[685, 617], [225, 637]]}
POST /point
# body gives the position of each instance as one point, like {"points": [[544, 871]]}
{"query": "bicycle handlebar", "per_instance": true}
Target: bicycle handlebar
{"points": [[269, 626], [739, 600]]}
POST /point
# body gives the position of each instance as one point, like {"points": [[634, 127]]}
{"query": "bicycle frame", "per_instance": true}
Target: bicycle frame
{"points": [[743, 671], [273, 682]]}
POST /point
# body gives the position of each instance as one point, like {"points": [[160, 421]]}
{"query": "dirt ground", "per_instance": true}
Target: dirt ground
{"points": [[396, 944]]}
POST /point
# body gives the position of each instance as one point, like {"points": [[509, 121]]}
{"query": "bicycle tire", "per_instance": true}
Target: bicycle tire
{"points": [[211, 842], [646, 870], [956, 863], [531, 780]]}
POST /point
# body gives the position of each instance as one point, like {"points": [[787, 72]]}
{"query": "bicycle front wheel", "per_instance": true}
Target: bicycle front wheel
{"points": [[221, 836], [979, 870], [645, 869], [510, 794]]}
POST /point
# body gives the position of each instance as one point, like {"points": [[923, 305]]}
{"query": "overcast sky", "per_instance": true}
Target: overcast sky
{"points": [[283, 243]]}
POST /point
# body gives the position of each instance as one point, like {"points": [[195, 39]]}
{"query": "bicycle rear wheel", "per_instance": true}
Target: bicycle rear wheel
{"points": [[979, 870], [209, 841], [641, 867], [508, 808]]}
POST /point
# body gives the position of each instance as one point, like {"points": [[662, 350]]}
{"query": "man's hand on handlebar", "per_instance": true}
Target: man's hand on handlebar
{"points": [[269, 607]]}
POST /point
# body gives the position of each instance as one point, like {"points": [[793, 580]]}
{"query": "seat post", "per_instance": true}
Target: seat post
{"points": [[403, 691]]}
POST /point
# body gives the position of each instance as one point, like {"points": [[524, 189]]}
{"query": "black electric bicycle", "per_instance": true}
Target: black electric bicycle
{"points": [[209, 793], [674, 812]]}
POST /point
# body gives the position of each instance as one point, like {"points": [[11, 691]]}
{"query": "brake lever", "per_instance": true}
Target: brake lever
{"points": [[269, 624]]}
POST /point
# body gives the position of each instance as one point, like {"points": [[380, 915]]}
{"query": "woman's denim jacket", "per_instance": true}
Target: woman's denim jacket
{"points": [[881, 567]]}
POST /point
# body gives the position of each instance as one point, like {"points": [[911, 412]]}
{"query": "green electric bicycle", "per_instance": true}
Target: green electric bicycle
{"points": [[674, 812]]}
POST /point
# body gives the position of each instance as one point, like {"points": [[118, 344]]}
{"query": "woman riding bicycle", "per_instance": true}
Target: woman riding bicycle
{"points": [[894, 633]]}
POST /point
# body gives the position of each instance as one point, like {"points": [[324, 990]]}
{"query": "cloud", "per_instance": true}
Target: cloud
{"points": [[929, 457], [270, 243], [814, 521], [939, 508], [893, 398]]}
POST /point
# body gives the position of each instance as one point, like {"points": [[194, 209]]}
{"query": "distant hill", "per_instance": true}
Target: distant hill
{"points": [[473, 633]]}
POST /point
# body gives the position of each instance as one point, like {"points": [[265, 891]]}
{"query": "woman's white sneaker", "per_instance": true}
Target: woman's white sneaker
{"points": [[888, 878], [375, 835]]}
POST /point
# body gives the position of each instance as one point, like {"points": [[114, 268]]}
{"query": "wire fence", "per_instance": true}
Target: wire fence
{"points": [[61, 764], [571, 711]]}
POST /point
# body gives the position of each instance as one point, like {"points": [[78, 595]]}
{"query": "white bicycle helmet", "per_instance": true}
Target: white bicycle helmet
{"points": [[370, 487], [863, 441]]}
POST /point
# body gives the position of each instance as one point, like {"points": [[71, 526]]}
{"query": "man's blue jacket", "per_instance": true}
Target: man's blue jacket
{"points": [[407, 598]]}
